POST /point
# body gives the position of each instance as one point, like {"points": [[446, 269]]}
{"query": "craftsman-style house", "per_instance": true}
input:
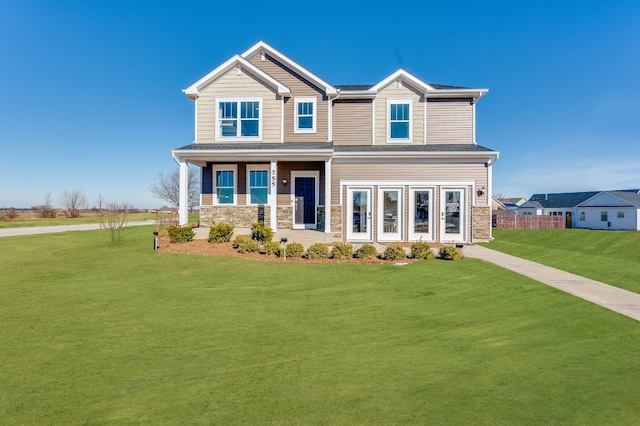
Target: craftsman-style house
{"points": [[393, 161]]}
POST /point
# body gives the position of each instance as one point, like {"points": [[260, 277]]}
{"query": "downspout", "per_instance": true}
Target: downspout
{"points": [[330, 132]]}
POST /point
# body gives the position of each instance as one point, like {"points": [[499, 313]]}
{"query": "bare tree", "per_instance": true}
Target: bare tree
{"points": [[46, 210], [167, 187], [9, 214], [74, 201], [113, 218]]}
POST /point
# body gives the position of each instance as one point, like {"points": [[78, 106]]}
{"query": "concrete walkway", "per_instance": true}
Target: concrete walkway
{"points": [[12, 232], [616, 299]]}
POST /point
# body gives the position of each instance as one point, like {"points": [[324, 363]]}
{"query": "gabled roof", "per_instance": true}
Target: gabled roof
{"points": [[629, 197], [241, 63], [262, 47], [531, 205], [569, 199]]}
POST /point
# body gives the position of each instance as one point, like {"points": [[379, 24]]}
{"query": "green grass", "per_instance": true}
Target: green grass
{"points": [[94, 334], [612, 257]]}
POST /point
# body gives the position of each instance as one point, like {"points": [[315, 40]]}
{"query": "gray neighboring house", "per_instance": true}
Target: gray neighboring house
{"points": [[562, 204], [615, 210]]}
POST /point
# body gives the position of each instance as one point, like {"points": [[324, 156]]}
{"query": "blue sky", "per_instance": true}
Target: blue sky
{"points": [[90, 91]]}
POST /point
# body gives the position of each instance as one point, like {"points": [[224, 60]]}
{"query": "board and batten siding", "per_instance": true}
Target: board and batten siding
{"points": [[449, 121], [352, 122], [233, 84], [396, 91], [299, 87], [409, 172]]}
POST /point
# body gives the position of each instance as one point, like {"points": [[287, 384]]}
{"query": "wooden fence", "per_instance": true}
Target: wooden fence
{"points": [[528, 221]]}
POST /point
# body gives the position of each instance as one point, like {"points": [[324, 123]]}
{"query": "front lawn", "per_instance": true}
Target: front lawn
{"points": [[612, 257], [94, 334]]}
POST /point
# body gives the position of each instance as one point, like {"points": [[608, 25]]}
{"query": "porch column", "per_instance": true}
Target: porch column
{"points": [[327, 196], [183, 199], [273, 195]]}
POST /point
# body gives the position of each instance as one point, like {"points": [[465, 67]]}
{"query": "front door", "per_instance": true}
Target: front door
{"points": [[390, 214], [304, 202], [569, 220], [452, 215], [359, 223]]}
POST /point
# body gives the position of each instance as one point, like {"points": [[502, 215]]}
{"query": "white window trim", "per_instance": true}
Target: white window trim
{"points": [[262, 168], [305, 99], [391, 236], [225, 167], [388, 120], [238, 100]]}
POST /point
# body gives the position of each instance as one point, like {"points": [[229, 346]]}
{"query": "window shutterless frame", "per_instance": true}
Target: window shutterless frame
{"points": [[225, 178], [239, 119], [258, 184], [305, 113], [399, 120]]}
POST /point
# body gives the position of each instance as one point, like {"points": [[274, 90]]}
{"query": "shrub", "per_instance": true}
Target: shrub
{"points": [[342, 251], [262, 233], [450, 253], [180, 234], [318, 251], [367, 251], [293, 250], [394, 253], [421, 250], [240, 239], [220, 233], [271, 247], [249, 246]]}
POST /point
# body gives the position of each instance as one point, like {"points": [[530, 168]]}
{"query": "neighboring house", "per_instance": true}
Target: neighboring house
{"points": [[560, 204], [392, 161], [611, 210]]}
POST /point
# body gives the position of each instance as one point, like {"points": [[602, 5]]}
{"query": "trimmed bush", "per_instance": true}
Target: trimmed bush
{"points": [[421, 250], [180, 234], [262, 233], [450, 253], [394, 253], [318, 251], [367, 251], [293, 250], [271, 247], [240, 239], [248, 246], [220, 233], [342, 251]]}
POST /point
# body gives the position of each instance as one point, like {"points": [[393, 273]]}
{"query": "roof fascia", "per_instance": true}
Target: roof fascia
{"points": [[405, 76], [261, 46], [194, 90], [484, 155]]}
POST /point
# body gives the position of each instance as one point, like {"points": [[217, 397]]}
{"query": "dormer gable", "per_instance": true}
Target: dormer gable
{"points": [[262, 48], [242, 65]]}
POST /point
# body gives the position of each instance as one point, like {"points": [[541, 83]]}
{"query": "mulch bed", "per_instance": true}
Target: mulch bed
{"points": [[205, 248]]}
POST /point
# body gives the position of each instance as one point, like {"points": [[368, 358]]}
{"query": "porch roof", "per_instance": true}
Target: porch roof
{"points": [[200, 153]]}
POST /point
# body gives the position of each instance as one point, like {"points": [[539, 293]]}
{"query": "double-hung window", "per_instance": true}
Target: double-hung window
{"points": [[399, 124], [224, 180], [257, 184], [305, 115], [239, 118]]}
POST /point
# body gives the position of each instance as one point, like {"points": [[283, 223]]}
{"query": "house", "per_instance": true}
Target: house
{"points": [[560, 204], [611, 210], [392, 161]]}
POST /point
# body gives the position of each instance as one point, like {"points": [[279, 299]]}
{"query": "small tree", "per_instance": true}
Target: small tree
{"points": [[113, 218], [167, 187], [46, 210], [73, 201], [9, 214]]}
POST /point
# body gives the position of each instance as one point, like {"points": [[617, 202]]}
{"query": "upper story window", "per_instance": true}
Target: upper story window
{"points": [[399, 124], [239, 118], [224, 180], [257, 184], [305, 115]]}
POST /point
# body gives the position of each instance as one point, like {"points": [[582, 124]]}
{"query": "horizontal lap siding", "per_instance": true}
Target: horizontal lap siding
{"points": [[392, 91], [400, 172], [450, 121], [352, 122], [298, 87], [233, 85]]}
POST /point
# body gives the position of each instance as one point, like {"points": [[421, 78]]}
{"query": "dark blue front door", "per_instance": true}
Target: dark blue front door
{"points": [[305, 200]]}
